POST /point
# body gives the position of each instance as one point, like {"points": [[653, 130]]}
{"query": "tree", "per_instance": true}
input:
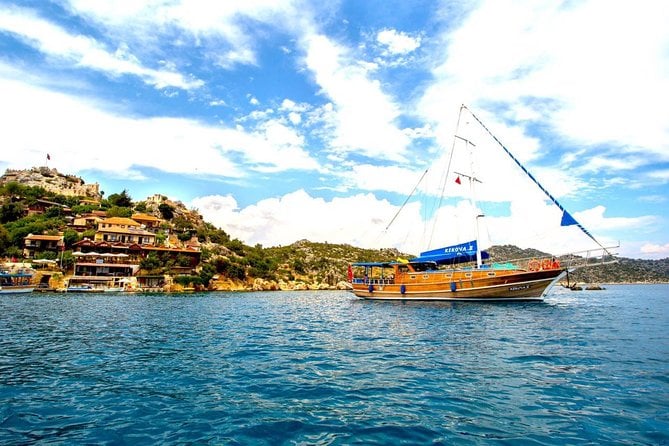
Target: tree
{"points": [[121, 200], [236, 246], [118, 211], [10, 212], [166, 211], [150, 262], [4, 239], [70, 237], [13, 188], [206, 274], [54, 211], [229, 269], [140, 207]]}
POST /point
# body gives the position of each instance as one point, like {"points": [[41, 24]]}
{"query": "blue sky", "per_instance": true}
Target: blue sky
{"points": [[281, 120]]}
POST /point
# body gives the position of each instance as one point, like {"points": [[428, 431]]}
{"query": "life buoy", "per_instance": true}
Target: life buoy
{"points": [[546, 264], [533, 265]]}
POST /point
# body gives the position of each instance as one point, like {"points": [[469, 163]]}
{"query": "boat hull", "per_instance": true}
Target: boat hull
{"points": [[523, 286], [16, 289]]}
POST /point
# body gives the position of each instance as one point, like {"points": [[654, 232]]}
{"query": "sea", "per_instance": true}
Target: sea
{"points": [[326, 368]]}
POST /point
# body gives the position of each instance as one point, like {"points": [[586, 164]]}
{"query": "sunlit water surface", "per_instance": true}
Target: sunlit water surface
{"points": [[326, 368]]}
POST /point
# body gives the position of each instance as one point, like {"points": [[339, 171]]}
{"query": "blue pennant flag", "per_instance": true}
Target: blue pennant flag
{"points": [[567, 219]]}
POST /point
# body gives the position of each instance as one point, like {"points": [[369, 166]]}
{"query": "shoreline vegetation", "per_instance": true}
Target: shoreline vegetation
{"points": [[51, 220]]}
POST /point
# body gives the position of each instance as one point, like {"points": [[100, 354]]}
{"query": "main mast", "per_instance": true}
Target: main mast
{"points": [[472, 195]]}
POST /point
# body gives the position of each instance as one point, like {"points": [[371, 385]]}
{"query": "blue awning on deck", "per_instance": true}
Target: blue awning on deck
{"points": [[464, 252]]}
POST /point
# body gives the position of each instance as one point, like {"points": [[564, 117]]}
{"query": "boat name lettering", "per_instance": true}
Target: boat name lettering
{"points": [[518, 288], [460, 248]]}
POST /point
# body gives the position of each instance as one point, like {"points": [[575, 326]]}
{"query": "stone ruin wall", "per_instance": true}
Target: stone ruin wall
{"points": [[53, 181]]}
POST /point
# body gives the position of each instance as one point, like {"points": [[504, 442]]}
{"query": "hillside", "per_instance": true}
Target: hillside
{"points": [[226, 263], [52, 181], [625, 271]]}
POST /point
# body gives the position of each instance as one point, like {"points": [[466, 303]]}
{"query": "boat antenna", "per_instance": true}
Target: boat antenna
{"points": [[567, 219]]}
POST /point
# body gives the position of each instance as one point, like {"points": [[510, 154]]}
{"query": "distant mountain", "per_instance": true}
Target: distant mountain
{"points": [[325, 262], [624, 271]]}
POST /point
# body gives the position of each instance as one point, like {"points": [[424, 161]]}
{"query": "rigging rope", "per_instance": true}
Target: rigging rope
{"points": [[567, 219], [407, 199]]}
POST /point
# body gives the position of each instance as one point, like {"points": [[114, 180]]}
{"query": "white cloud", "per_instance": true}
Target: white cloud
{"points": [[279, 221], [397, 42], [656, 250], [86, 52], [82, 135], [362, 220], [363, 115], [222, 28], [594, 71], [380, 178]]}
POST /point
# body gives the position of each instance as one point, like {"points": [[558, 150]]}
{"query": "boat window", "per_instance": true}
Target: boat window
{"points": [[423, 266]]}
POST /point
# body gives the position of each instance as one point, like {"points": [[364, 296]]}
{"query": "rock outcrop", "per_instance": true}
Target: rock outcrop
{"points": [[53, 181]]}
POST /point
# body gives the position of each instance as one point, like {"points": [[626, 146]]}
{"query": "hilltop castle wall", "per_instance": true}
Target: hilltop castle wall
{"points": [[53, 181]]}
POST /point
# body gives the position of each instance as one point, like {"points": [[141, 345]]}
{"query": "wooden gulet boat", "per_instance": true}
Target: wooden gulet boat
{"points": [[420, 279], [439, 274]]}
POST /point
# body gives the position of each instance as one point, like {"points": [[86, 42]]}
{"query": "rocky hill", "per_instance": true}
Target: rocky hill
{"points": [[327, 263], [624, 271], [53, 181]]}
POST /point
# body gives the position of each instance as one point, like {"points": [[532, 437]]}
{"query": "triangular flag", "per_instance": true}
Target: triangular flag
{"points": [[457, 180], [567, 219]]}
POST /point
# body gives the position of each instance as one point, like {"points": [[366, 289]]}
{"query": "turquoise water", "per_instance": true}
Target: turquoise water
{"points": [[325, 368]]}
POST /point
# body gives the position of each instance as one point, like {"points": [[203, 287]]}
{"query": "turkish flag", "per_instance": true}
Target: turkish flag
{"points": [[457, 180]]}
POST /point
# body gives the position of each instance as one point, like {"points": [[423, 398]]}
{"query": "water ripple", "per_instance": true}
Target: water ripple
{"points": [[323, 368]]}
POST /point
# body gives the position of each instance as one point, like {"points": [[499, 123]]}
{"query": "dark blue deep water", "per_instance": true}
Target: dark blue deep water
{"points": [[325, 368]]}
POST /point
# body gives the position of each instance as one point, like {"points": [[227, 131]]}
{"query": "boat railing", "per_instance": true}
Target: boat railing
{"points": [[535, 263], [589, 258], [572, 260]]}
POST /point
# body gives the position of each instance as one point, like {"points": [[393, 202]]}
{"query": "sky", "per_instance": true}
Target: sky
{"points": [[282, 120]]}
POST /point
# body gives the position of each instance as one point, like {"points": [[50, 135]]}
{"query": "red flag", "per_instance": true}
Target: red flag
{"points": [[457, 180], [350, 274]]}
